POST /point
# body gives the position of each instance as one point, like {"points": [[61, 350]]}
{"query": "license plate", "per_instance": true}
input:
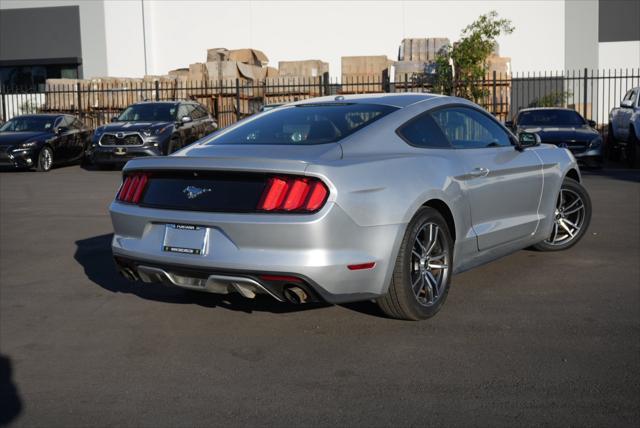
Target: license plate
{"points": [[185, 239]]}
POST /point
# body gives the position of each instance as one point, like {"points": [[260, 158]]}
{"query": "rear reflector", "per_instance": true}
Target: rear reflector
{"points": [[362, 266], [280, 278], [293, 194], [132, 188]]}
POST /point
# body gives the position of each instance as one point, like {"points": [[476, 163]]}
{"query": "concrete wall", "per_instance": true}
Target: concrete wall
{"points": [[580, 34], [92, 30]]}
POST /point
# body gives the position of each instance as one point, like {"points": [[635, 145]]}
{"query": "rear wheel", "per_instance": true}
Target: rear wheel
{"points": [[572, 217], [45, 159], [422, 272]]}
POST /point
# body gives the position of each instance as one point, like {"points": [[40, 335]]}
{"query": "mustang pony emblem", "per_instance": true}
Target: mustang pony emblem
{"points": [[193, 192]]}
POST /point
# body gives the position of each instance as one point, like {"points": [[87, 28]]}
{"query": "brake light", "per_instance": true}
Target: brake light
{"points": [[293, 194], [132, 188]]}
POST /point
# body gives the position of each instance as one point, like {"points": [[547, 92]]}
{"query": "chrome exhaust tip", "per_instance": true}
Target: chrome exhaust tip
{"points": [[295, 295], [128, 274]]}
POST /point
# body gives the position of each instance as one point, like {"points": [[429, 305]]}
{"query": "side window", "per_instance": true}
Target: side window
{"points": [[203, 112], [467, 128], [628, 95], [184, 110], [78, 124], [63, 121], [422, 131]]}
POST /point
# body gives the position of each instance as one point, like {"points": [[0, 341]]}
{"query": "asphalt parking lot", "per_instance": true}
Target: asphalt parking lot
{"points": [[535, 338]]}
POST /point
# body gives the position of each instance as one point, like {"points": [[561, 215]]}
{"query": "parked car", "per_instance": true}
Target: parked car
{"points": [[624, 129], [380, 196], [150, 128], [42, 140], [565, 128]]}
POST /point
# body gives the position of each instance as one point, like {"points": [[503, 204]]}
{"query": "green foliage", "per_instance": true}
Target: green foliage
{"points": [[469, 55], [552, 99]]}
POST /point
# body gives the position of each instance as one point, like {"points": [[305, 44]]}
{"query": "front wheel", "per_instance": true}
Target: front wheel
{"points": [[45, 159], [572, 216], [422, 273]]}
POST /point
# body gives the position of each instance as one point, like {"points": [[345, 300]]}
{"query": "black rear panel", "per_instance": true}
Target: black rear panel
{"points": [[204, 191]]}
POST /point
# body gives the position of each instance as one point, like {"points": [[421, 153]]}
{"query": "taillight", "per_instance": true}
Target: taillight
{"points": [[132, 188], [293, 194]]}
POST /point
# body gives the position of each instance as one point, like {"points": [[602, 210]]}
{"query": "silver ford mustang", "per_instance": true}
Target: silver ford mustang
{"points": [[347, 198]]}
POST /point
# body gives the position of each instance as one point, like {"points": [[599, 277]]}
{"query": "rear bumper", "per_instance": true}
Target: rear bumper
{"points": [[316, 248], [121, 154]]}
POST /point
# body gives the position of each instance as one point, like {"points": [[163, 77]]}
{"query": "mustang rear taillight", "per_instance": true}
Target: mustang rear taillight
{"points": [[293, 194], [132, 188]]}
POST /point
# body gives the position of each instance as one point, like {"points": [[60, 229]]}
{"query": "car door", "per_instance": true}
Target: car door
{"points": [[503, 185], [624, 114], [76, 141], [207, 122], [60, 142], [186, 128]]}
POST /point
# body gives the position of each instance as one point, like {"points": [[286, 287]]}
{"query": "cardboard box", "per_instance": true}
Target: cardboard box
{"points": [[293, 85], [62, 94], [500, 64], [249, 56], [306, 68], [364, 74], [421, 49], [223, 75], [217, 54], [406, 70]]}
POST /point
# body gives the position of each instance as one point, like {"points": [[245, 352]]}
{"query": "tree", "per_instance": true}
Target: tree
{"points": [[461, 68]]}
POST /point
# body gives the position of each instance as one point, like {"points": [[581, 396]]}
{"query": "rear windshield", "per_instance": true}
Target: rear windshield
{"points": [[305, 124], [550, 117]]}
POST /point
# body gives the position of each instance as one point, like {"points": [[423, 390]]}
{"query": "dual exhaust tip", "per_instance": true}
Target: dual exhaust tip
{"points": [[291, 292]]}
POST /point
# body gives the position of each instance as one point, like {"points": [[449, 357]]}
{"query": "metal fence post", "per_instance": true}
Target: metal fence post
{"points": [[157, 84], [78, 89], [4, 103], [237, 99], [320, 83], [495, 97], [584, 95]]}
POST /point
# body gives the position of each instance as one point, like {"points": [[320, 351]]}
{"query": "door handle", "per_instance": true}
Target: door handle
{"points": [[479, 172]]}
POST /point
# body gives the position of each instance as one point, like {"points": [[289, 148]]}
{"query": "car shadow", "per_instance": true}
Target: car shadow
{"points": [[94, 255], [614, 171], [11, 405]]}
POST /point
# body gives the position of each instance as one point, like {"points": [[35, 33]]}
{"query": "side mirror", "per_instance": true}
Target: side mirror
{"points": [[626, 104], [186, 119], [528, 139], [114, 119], [592, 123], [61, 130]]}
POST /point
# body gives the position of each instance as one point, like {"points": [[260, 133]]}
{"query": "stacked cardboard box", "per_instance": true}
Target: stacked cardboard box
{"points": [[502, 68], [406, 70], [421, 50], [298, 77], [361, 74]]}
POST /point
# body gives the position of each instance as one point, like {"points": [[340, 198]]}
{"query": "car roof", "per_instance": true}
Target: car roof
{"points": [[45, 115], [396, 100], [547, 108], [163, 102]]}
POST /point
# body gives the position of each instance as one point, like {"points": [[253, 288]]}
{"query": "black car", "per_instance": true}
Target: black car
{"points": [[42, 140], [564, 128], [150, 128]]}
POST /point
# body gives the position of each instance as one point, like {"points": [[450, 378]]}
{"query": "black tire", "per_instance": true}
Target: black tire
{"points": [[610, 149], [172, 146], [574, 188], [45, 159], [633, 150], [401, 301]]}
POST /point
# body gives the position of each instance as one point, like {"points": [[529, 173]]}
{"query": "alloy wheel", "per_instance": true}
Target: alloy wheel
{"points": [[429, 264], [47, 159], [569, 218]]}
